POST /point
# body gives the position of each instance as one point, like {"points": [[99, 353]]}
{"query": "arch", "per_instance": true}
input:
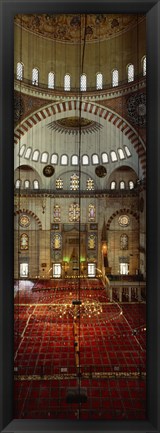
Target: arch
{"points": [[122, 124], [121, 211], [29, 212]]}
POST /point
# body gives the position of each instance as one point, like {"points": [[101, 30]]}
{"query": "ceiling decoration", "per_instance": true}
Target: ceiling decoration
{"points": [[136, 107], [70, 28], [74, 125], [48, 171]]}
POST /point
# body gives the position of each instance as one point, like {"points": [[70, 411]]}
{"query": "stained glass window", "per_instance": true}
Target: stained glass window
{"points": [[74, 212], [90, 184], [124, 242], [59, 183], [74, 182], [57, 241], [57, 213], [91, 212], [91, 242], [24, 243]]}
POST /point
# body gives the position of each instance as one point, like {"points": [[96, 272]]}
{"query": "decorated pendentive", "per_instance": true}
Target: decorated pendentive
{"points": [[136, 107]]}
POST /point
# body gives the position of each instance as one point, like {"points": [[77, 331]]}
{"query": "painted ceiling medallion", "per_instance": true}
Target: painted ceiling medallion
{"points": [[24, 221], [48, 171], [71, 28], [101, 171], [74, 125], [123, 220]]}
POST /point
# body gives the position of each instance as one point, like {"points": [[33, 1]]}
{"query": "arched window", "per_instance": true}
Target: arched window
{"points": [[18, 183], [74, 160], [83, 82], [121, 153], [85, 160], [99, 81], [54, 158], [67, 82], [113, 184], [44, 157], [74, 212], [57, 213], [91, 212], [144, 66], [35, 155], [59, 183], [95, 159], [51, 80], [20, 71], [24, 243], [28, 153], [64, 160], [128, 153], [22, 149], [130, 73], [74, 182], [35, 184], [35, 76], [90, 184], [104, 158], [124, 242], [113, 156], [115, 77], [122, 184], [27, 184], [131, 184]]}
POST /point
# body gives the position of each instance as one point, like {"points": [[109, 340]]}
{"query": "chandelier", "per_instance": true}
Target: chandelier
{"points": [[83, 309]]}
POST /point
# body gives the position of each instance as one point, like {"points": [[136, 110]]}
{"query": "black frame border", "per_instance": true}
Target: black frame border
{"points": [[9, 8]]}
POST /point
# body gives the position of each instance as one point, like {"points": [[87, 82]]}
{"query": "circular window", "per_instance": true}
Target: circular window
{"points": [[123, 220], [24, 221]]}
